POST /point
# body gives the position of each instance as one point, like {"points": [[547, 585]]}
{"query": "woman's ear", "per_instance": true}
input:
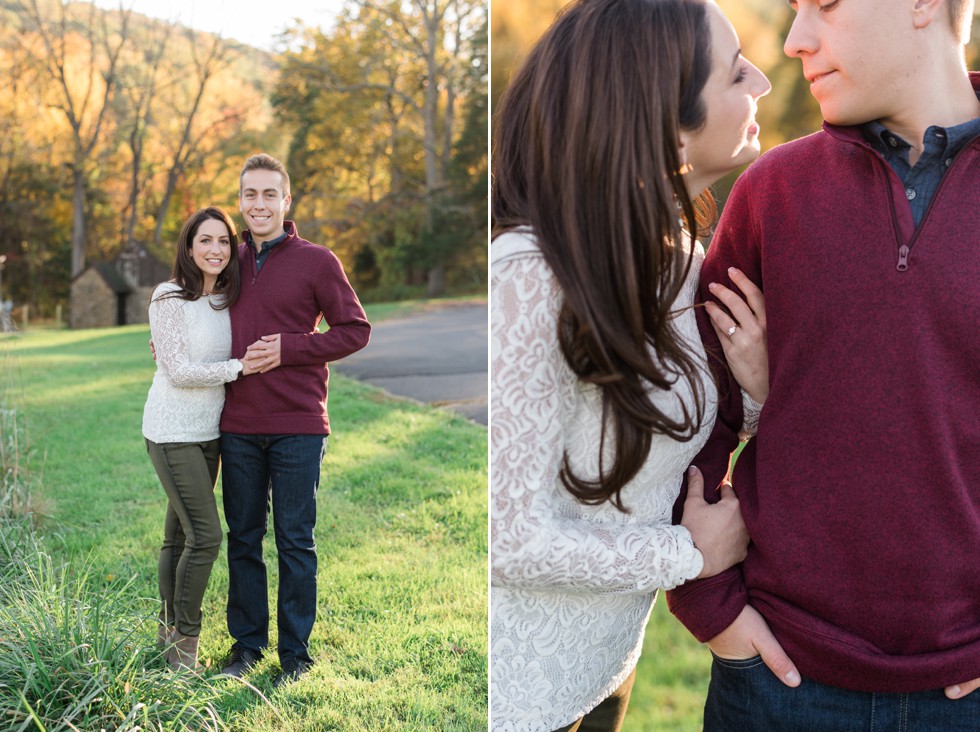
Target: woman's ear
{"points": [[682, 150]]}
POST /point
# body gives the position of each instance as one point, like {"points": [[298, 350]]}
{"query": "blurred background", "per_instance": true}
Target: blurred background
{"points": [[115, 126], [786, 113]]}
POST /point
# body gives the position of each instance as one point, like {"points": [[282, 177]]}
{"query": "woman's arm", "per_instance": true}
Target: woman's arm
{"points": [[532, 544], [168, 329]]}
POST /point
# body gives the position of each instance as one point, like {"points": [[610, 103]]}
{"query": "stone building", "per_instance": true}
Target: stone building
{"points": [[117, 292]]}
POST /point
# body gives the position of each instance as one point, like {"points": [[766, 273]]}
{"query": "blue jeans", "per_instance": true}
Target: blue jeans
{"points": [[281, 471], [745, 696]]}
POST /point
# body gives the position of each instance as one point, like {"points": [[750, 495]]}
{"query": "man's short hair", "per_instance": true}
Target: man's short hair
{"points": [[262, 161], [961, 19]]}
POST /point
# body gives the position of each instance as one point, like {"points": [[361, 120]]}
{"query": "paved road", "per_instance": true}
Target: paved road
{"points": [[438, 357]]}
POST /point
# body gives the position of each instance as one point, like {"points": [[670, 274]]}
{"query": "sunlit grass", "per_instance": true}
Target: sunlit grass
{"points": [[400, 639]]}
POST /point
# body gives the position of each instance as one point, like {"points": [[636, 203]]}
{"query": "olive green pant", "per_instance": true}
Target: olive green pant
{"points": [[192, 531], [609, 715]]}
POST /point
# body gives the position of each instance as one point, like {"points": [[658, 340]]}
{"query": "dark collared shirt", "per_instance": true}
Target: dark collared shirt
{"points": [[940, 146], [262, 254]]}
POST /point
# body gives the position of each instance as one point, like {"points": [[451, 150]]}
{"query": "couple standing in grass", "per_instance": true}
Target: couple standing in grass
{"points": [[241, 381], [856, 604]]}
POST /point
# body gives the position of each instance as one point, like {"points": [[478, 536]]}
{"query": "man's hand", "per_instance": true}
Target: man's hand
{"points": [[153, 350], [264, 355], [958, 691], [750, 636]]}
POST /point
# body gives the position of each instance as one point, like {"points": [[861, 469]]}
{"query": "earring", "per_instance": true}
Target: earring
{"points": [[685, 168], [680, 211]]}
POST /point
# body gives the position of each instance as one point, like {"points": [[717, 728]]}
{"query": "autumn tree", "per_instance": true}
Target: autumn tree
{"points": [[32, 206], [79, 57], [435, 31], [196, 129], [140, 79], [375, 111]]}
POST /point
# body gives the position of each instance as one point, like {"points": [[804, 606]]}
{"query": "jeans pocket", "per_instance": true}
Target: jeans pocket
{"points": [[738, 664]]}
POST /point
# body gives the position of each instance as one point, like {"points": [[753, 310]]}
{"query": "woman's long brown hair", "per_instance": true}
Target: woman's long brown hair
{"points": [[586, 153], [188, 275]]}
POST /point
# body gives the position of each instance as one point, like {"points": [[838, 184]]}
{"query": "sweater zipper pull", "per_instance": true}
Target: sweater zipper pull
{"points": [[903, 258]]}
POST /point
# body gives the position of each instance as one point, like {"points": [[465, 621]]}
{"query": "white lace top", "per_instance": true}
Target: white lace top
{"points": [[193, 345], [572, 585]]}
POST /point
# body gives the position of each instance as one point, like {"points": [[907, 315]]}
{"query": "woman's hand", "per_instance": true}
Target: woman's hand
{"points": [[717, 528], [247, 367], [742, 331]]}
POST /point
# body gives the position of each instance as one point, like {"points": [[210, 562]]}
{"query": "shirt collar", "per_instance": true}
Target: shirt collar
{"points": [[949, 140], [266, 245]]}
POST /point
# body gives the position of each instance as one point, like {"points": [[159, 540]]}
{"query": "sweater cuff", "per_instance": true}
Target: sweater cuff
{"points": [[751, 411], [707, 607], [689, 562], [287, 348]]}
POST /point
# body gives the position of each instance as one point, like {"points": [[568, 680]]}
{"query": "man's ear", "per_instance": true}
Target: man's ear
{"points": [[924, 12]]}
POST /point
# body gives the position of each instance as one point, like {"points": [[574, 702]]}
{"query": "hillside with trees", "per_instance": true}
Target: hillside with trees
{"points": [[117, 126]]}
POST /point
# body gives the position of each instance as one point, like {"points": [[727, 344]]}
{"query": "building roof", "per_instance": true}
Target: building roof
{"points": [[117, 283], [151, 270]]}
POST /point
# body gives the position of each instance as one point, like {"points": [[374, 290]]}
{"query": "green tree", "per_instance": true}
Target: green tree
{"points": [[378, 109]]}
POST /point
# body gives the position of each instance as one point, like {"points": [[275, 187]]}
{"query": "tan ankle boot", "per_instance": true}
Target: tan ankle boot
{"points": [[182, 655], [165, 634]]}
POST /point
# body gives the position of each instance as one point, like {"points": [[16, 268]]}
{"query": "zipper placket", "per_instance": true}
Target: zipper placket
{"points": [[255, 260], [904, 250]]}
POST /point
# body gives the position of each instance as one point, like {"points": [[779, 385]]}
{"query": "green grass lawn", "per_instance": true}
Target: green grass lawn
{"points": [[671, 678], [401, 633]]}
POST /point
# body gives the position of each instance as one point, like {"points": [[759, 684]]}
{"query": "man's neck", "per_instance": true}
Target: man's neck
{"points": [[940, 99], [259, 241]]}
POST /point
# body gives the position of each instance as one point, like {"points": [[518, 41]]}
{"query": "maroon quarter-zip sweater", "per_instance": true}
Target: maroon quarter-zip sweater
{"points": [[299, 284], [861, 491]]}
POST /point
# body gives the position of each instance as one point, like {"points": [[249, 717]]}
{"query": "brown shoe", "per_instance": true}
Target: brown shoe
{"points": [[165, 636], [182, 655]]}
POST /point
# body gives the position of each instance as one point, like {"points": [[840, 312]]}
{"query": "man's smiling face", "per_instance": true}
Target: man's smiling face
{"points": [[263, 204]]}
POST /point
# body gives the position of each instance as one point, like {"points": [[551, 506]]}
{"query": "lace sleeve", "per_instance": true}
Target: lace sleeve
{"points": [[169, 332], [532, 544], [751, 410]]}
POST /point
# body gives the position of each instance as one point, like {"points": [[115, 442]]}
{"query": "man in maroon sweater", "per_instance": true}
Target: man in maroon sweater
{"points": [[274, 425], [861, 589]]}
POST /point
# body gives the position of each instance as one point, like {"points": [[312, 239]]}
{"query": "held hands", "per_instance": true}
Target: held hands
{"points": [[263, 355], [260, 362], [717, 528], [742, 333], [247, 367]]}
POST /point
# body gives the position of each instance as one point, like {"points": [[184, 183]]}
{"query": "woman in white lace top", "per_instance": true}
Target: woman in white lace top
{"points": [[606, 140], [191, 334]]}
